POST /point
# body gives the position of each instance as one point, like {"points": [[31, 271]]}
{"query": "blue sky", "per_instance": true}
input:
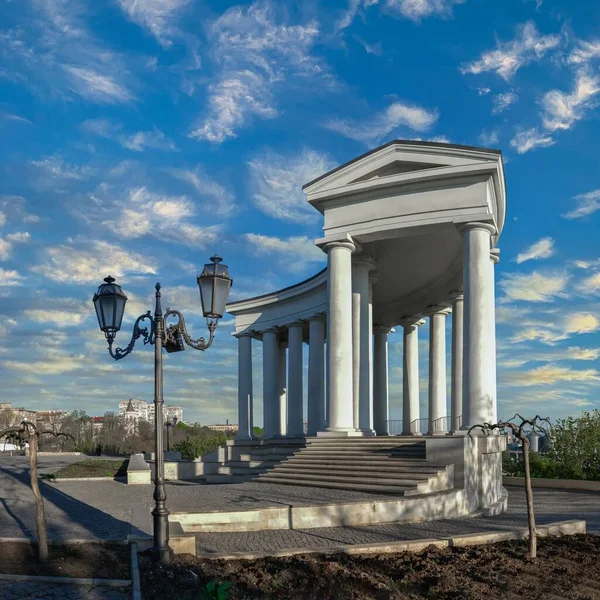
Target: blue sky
{"points": [[141, 136]]}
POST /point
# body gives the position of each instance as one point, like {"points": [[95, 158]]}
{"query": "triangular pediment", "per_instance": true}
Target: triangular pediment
{"points": [[399, 158], [395, 168]]}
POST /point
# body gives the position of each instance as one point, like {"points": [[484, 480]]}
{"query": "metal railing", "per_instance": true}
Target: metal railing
{"points": [[441, 425]]}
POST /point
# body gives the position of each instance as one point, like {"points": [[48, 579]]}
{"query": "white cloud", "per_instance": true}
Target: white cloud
{"points": [[562, 111], [591, 284], [220, 200], [543, 248], [381, 124], [232, 102], [551, 374], [577, 353], [489, 138], [147, 139], [102, 127], [55, 363], [98, 87], [534, 287], [10, 277], [415, 10], [91, 262], [277, 181], [483, 91], [527, 46], [500, 102], [581, 323], [55, 54], [348, 16], [256, 50], [294, 252], [529, 139], [70, 313], [167, 217], [585, 52], [54, 168], [6, 244], [587, 204], [158, 16]]}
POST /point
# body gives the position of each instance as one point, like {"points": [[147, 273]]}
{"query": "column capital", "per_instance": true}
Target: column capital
{"points": [[413, 321], [364, 260], [344, 241], [318, 317], [495, 255], [242, 334], [297, 323], [373, 277], [438, 309], [457, 296], [383, 329], [464, 227]]}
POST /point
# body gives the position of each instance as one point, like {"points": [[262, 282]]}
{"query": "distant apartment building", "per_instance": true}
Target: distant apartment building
{"points": [[12, 415], [50, 419], [224, 427], [134, 410]]}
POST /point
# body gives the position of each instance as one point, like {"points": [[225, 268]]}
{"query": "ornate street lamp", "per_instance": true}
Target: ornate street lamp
{"points": [[214, 284], [168, 425]]}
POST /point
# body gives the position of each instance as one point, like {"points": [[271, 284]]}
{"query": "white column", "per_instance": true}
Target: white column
{"points": [[245, 401], [316, 375], [494, 260], [410, 376], [282, 390], [362, 344], [456, 386], [295, 425], [339, 337], [478, 351], [437, 369], [270, 383], [381, 409]]}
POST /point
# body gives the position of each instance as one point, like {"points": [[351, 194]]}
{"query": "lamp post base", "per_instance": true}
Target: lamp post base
{"points": [[161, 554]]}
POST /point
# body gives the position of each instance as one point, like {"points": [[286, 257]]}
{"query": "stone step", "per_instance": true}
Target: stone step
{"points": [[334, 485], [355, 470], [361, 459], [333, 462], [372, 479], [361, 454], [365, 441], [250, 464], [229, 470]]}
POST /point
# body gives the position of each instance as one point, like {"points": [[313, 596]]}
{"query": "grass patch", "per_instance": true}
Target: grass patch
{"points": [[92, 467]]}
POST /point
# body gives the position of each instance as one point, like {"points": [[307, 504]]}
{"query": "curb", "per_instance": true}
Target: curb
{"points": [[586, 485], [571, 527], [68, 580], [62, 479], [136, 589], [66, 542]]}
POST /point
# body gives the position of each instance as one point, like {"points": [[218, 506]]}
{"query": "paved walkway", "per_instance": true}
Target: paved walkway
{"points": [[26, 590], [112, 510], [551, 506]]}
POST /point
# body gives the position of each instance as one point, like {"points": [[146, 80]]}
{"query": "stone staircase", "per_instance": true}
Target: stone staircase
{"points": [[371, 464]]}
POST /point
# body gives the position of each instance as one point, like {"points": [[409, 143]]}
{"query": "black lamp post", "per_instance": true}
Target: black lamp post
{"points": [[214, 284], [168, 425]]}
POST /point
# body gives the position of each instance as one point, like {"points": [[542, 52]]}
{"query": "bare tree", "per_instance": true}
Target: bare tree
{"points": [[519, 431], [27, 432]]}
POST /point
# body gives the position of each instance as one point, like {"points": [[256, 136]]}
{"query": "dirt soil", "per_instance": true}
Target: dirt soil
{"points": [[106, 561], [93, 467], [567, 568]]}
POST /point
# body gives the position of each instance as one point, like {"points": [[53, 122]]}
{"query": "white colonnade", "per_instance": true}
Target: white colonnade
{"points": [[357, 373]]}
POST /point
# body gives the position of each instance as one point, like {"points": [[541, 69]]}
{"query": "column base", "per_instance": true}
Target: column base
{"points": [[341, 433], [412, 433], [367, 432]]}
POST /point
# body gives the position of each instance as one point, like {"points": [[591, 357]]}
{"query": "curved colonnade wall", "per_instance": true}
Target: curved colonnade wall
{"points": [[410, 232]]}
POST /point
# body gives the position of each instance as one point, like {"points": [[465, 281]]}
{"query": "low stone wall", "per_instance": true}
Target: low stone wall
{"points": [[565, 484]]}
